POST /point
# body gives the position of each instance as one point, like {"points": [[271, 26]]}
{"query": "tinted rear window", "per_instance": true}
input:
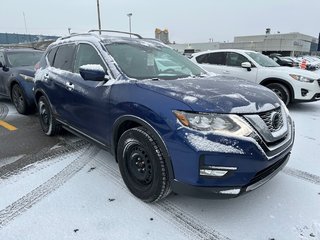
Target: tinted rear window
{"points": [[218, 58], [51, 55], [64, 57]]}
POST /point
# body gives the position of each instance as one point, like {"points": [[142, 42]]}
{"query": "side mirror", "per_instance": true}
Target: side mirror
{"points": [[246, 65], [93, 72], [4, 67]]}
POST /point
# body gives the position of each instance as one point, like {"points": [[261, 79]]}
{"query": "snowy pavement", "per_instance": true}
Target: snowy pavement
{"points": [[79, 194]]}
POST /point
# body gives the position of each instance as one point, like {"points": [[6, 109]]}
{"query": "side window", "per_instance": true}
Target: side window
{"points": [[218, 58], [64, 57], [51, 55], [202, 58], [235, 59], [2, 58], [86, 54]]}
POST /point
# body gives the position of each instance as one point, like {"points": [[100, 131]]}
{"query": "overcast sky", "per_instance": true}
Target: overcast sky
{"points": [[187, 20]]}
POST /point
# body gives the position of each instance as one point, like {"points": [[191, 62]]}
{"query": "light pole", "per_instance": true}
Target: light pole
{"points": [[129, 15], [99, 21]]}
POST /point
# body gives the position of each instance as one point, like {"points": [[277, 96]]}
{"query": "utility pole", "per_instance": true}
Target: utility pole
{"points": [[129, 16], [99, 21], [25, 26]]}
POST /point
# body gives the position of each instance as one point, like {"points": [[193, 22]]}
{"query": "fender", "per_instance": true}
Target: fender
{"points": [[278, 80], [150, 129]]}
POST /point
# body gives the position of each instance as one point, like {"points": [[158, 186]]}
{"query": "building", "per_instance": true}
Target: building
{"points": [[15, 38], [162, 35], [288, 44]]}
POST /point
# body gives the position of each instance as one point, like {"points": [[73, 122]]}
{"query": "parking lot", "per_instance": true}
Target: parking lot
{"points": [[65, 188]]}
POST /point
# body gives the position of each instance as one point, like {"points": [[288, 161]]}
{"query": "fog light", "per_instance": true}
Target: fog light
{"points": [[231, 191], [304, 92], [212, 173], [215, 171]]}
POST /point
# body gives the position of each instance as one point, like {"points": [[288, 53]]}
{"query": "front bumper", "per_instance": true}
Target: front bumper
{"points": [[306, 92], [231, 192], [254, 164]]}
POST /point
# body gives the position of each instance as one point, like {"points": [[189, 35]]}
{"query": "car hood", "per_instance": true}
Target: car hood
{"points": [[27, 70], [292, 70], [219, 94]]}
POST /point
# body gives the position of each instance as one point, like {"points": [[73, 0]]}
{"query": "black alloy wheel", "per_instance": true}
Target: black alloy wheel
{"points": [[18, 99], [281, 91]]}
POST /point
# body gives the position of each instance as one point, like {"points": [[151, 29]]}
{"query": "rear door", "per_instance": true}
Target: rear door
{"points": [[213, 62], [57, 78]]}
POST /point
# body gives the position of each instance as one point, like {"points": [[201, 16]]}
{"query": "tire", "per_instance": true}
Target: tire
{"points": [[19, 99], [281, 91], [142, 165], [48, 123]]}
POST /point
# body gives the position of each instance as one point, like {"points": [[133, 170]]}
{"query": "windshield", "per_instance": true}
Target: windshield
{"points": [[20, 59], [144, 60], [262, 60]]}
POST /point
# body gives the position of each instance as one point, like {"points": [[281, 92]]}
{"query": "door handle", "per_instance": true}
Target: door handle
{"points": [[226, 72], [70, 86], [46, 76]]}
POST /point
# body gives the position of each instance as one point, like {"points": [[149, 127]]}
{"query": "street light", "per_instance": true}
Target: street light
{"points": [[129, 15]]}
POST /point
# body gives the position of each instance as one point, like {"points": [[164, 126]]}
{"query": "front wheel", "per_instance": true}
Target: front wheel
{"points": [[19, 99], [48, 123], [142, 165], [281, 91]]}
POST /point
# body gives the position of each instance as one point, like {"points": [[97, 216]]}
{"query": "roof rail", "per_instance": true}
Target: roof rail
{"points": [[112, 31], [73, 35]]}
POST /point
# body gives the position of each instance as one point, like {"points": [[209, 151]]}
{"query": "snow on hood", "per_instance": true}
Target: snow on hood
{"points": [[218, 94]]}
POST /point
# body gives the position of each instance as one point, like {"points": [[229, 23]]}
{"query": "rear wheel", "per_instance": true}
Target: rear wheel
{"points": [[142, 165], [18, 99], [281, 91], [48, 123]]}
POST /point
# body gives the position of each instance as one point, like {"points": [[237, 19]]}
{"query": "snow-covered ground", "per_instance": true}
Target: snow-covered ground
{"points": [[80, 195]]}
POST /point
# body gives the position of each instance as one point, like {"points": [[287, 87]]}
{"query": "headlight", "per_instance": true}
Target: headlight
{"points": [[27, 78], [225, 124], [302, 78]]}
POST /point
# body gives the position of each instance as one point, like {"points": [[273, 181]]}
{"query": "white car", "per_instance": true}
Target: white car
{"points": [[290, 84]]}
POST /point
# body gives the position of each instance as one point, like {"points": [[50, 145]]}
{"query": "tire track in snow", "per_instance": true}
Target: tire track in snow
{"points": [[27, 162], [302, 175], [188, 225], [27, 201]]}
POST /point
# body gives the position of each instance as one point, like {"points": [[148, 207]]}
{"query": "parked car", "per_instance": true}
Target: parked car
{"points": [[290, 84], [295, 62], [172, 129], [282, 61], [309, 63], [17, 75]]}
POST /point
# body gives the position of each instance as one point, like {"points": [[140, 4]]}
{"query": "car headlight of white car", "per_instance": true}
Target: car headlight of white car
{"points": [[225, 124], [302, 78]]}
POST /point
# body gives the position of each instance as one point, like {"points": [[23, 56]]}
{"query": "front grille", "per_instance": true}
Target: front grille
{"points": [[273, 119]]}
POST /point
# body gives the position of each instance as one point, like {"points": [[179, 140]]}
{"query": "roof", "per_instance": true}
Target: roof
{"points": [[223, 50], [93, 36]]}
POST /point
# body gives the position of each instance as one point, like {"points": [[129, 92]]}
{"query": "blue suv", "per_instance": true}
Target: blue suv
{"points": [[170, 125]]}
